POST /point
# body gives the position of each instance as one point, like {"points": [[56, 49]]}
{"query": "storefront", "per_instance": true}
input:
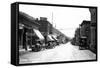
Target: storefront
{"points": [[28, 29]]}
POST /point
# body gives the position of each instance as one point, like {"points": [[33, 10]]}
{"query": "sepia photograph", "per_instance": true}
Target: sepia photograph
{"points": [[49, 34]]}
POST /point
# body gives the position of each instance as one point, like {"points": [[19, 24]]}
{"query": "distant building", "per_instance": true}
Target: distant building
{"points": [[45, 26], [43, 18], [62, 37], [77, 36]]}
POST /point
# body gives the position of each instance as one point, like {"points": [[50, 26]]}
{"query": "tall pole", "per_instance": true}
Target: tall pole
{"points": [[52, 18], [52, 24]]}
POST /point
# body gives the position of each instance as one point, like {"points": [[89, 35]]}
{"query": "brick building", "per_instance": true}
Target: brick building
{"points": [[45, 26]]}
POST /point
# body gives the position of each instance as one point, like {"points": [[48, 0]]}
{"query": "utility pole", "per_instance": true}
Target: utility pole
{"points": [[52, 18], [53, 24]]}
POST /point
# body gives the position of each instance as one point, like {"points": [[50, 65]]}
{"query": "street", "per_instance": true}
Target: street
{"points": [[64, 52]]}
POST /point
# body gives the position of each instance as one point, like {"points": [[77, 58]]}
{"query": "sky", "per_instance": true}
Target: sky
{"points": [[66, 19]]}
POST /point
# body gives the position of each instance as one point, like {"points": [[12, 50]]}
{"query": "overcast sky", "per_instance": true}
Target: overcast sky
{"points": [[65, 18]]}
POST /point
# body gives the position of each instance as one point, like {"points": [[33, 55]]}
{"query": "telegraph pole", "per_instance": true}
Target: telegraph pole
{"points": [[53, 24], [52, 18]]}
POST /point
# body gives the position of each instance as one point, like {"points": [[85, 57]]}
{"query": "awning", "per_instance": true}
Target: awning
{"points": [[38, 33], [49, 38], [21, 26], [54, 37]]}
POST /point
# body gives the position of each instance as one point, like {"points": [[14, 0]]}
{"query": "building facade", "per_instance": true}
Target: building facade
{"points": [[93, 45], [45, 26], [85, 32], [25, 31], [77, 37]]}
